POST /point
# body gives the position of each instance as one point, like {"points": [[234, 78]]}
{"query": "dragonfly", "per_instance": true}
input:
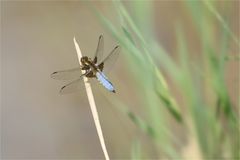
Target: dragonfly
{"points": [[91, 68]]}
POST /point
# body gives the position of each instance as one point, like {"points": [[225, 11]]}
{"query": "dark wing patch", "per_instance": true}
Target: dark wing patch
{"points": [[101, 65], [90, 74]]}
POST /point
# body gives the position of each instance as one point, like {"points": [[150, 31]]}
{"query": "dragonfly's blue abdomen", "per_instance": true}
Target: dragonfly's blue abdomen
{"points": [[105, 82]]}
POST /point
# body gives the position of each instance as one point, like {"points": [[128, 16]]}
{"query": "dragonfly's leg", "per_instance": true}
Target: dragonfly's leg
{"points": [[85, 68]]}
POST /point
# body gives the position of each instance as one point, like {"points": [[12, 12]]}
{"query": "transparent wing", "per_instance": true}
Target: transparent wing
{"points": [[67, 74], [99, 52], [77, 85], [108, 62], [73, 86]]}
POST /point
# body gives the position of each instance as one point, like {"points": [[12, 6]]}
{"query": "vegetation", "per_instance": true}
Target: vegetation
{"points": [[205, 114]]}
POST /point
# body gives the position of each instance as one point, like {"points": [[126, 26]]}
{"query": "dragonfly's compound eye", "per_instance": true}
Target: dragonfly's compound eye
{"points": [[83, 60]]}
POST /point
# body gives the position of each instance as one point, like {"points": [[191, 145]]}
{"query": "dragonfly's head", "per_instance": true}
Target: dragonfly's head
{"points": [[84, 60]]}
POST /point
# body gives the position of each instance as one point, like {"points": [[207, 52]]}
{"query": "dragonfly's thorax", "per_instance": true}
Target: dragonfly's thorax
{"points": [[88, 63]]}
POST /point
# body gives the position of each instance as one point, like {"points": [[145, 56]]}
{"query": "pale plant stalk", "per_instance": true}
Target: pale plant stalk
{"points": [[92, 104]]}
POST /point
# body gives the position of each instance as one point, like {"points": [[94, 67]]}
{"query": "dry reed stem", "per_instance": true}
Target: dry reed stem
{"points": [[92, 104]]}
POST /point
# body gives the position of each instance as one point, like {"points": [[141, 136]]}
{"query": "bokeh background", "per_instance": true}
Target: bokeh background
{"points": [[37, 39]]}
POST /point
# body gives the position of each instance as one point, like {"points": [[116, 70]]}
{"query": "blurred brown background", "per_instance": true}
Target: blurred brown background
{"points": [[37, 122], [37, 39]]}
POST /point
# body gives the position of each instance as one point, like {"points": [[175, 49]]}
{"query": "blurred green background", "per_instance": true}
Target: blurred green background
{"points": [[177, 80]]}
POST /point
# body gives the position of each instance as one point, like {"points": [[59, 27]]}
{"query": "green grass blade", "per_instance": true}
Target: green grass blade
{"points": [[214, 11]]}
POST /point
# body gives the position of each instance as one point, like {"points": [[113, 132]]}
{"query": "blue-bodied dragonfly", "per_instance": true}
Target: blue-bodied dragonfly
{"points": [[94, 69]]}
